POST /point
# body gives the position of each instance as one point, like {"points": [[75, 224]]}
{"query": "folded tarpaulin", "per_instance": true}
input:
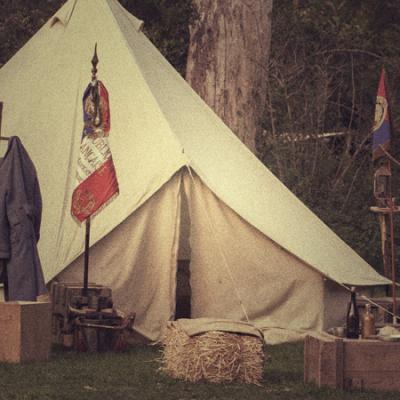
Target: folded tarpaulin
{"points": [[197, 326]]}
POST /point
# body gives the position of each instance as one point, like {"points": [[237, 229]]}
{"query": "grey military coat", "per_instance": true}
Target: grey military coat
{"points": [[20, 217]]}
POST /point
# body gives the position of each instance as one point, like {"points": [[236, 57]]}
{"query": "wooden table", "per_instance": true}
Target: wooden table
{"points": [[351, 364]]}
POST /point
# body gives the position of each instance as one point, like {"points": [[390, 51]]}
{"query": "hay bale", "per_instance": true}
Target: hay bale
{"points": [[214, 356]]}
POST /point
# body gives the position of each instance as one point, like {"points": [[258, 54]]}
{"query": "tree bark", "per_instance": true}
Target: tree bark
{"points": [[227, 61]]}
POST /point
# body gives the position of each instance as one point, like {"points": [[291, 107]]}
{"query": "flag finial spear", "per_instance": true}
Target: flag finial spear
{"points": [[95, 61]]}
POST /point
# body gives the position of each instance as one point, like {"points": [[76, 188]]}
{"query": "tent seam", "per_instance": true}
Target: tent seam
{"points": [[177, 141]]}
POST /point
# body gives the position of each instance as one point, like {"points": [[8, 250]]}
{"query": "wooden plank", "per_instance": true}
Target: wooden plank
{"points": [[311, 347], [374, 380], [339, 352], [36, 336], [352, 364], [323, 361], [25, 331], [365, 355], [307, 368], [328, 364], [10, 338]]}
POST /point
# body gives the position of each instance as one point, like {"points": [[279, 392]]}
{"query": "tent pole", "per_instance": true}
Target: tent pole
{"points": [[86, 259]]}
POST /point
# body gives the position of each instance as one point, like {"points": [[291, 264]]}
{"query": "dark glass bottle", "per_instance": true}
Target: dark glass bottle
{"points": [[353, 318]]}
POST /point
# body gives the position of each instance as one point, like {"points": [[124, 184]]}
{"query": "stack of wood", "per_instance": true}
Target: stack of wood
{"points": [[213, 356]]}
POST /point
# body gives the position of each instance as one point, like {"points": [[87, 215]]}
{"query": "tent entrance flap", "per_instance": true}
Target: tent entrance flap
{"points": [[183, 289]]}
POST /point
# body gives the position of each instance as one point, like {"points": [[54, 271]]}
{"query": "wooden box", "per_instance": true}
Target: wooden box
{"points": [[25, 331], [352, 364]]}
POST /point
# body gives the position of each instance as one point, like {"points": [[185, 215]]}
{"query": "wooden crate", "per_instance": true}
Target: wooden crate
{"points": [[352, 364], [25, 331]]}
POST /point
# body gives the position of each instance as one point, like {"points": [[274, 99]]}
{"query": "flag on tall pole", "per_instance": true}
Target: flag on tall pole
{"points": [[383, 185], [382, 129], [96, 179]]}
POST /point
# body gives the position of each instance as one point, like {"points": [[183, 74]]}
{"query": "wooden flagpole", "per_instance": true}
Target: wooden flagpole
{"points": [[391, 217], [386, 207], [86, 259], [95, 61], [392, 245]]}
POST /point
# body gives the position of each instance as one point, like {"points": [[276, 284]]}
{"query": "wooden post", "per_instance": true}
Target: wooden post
{"points": [[86, 259], [392, 245], [386, 209], [95, 61], [383, 224], [1, 115]]}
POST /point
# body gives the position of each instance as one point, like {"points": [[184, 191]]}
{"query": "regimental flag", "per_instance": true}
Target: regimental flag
{"points": [[96, 180], [381, 129]]}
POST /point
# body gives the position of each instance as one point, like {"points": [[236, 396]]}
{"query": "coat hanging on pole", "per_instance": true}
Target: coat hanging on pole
{"points": [[20, 218]]}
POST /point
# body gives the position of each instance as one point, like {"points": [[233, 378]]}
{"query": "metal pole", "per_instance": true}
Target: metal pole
{"points": [[86, 261]]}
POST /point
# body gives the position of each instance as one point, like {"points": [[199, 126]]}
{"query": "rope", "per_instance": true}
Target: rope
{"points": [[363, 296], [388, 155], [225, 261]]}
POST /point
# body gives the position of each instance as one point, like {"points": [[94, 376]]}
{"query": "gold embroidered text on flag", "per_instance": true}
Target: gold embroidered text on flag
{"points": [[96, 180]]}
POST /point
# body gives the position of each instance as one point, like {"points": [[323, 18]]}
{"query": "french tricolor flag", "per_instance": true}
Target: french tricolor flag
{"points": [[96, 179]]}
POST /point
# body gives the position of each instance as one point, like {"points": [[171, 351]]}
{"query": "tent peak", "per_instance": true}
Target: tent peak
{"points": [[64, 15]]}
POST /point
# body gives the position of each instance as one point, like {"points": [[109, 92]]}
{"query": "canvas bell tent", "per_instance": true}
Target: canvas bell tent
{"points": [[256, 252]]}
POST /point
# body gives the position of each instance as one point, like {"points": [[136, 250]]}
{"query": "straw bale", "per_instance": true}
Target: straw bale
{"points": [[214, 356]]}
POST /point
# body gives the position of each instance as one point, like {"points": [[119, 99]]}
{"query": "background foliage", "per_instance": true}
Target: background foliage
{"points": [[323, 75], [324, 69]]}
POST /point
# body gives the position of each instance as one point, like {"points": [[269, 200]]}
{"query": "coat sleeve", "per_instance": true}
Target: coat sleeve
{"points": [[37, 201], [4, 229]]}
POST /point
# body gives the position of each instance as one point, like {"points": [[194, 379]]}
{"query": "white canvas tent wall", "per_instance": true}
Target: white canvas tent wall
{"points": [[256, 250]]}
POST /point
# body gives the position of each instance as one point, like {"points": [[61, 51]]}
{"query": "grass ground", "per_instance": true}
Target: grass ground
{"points": [[135, 375]]}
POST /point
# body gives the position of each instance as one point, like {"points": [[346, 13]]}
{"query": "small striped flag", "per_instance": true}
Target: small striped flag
{"points": [[382, 128]]}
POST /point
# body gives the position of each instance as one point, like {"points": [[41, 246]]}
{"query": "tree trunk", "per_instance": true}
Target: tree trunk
{"points": [[227, 61]]}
